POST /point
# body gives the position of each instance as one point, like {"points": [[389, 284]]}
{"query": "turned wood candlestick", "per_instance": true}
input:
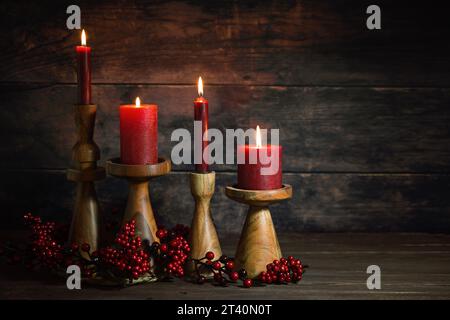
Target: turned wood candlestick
{"points": [[139, 205], [258, 244], [202, 236], [85, 226]]}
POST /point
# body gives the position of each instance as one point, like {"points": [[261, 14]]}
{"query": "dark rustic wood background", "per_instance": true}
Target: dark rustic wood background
{"points": [[364, 115]]}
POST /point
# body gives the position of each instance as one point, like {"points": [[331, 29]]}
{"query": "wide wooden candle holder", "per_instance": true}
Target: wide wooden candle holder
{"points": [[139, 205], [85, 226], [258, 244], [203, 235]]}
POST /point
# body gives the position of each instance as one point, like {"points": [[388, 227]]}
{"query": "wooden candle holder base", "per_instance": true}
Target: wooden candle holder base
{"points": [[85, 226], [258, 244], [139, 205], [202, 236]]}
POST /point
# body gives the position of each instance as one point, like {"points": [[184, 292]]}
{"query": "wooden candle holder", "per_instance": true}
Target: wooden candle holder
{"points": [[85, 226], [258, 244], [139, 205], [202, 236]]}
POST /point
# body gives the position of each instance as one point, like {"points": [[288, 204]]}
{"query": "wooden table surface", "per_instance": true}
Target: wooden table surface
{"points": [[413, 266]]}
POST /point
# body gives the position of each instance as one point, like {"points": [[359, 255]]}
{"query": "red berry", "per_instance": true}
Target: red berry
{"points": [[209, 255], [217, 265], [234, 276], [164, 247], [161, 233], [229, 265], [248, 283]]}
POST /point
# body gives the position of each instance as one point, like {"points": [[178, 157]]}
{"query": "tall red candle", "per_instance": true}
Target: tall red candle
{"points": [[84, 71], [201, 114], [250, 176], [138, 133]]}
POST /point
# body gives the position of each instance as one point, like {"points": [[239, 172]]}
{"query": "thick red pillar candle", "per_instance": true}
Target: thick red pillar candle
{"points": [[250, 176], [201, 114], [84, 71], [139, 133]]}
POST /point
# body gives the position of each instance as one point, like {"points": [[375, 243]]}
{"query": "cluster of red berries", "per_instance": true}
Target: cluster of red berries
{"points": [[43, 246], [171, 253], [282, 271], [132, 258], [223, 270], [129, 258]]}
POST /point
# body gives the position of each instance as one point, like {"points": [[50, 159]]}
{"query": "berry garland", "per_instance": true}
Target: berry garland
{"points": [[131, 258]]}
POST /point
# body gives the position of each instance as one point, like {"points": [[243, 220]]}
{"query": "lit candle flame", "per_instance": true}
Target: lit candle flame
{"points": [[200, 86], [258, 137], [138, 102], [83, 38]]}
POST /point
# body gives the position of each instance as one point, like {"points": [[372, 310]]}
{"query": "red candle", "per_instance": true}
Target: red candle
{"points": [[84, 71], [250, 176], [139, 133], [201, 114]]}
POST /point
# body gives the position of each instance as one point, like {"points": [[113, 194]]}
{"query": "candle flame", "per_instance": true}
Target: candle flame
{"points": [[83, 38], [200, 86], [138, 102], [258, 137]]}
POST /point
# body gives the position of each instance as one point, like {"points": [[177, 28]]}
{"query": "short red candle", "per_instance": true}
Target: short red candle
{"points": [[84, 71], [201, 114], [139, 133], [250, 176]]}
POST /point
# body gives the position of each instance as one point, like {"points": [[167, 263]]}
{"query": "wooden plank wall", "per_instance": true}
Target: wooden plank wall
{"points": [[364, 115]]}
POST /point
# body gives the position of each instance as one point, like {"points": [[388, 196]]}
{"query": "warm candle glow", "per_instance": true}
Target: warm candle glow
{"points": [[200, 86], [83, 38], [258, 137], [138, 102]]}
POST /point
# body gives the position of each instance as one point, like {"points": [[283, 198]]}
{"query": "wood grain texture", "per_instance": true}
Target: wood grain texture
{"points": [[320, 202], [85, 226], [363, 114], [321, 129], [138, 172], [258, 243], [139, 207], [85, 152], [414, 266], [252, 42], [259, 198], [86, 220], [203, 235]]}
